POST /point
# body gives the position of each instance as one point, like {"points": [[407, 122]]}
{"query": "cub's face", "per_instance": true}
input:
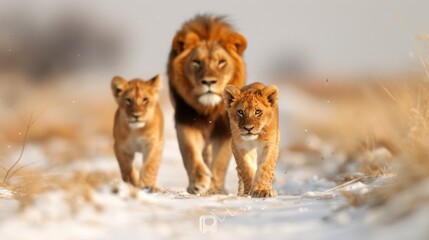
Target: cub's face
{"points": [[209, 68], [136, 99], [250, 109]]}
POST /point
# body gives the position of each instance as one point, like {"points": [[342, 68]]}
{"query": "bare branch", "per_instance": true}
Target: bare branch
{"points": [[27, 130]]}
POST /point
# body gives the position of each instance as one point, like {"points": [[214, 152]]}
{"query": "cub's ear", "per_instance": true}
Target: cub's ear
{"points": [[156, 82], [118, 85], [236, 42], [231, 94], [271, 93], [183, 41]]}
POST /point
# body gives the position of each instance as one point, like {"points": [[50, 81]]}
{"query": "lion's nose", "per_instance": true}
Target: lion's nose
{"points": [[249, 128], [208, 82], [136, 115]]}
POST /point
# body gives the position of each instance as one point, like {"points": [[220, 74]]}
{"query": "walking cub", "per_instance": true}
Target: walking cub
{"points": [[253, 115], [138, 127]]}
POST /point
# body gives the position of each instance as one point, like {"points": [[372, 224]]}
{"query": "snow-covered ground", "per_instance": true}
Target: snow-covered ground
{"points": [[305, 209], [308, 206]]}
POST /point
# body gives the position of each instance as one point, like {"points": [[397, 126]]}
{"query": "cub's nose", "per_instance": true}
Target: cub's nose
{"points": [[209, 82], [248, 127]]}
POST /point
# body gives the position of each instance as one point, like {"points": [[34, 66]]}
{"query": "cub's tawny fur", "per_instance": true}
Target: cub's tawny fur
{"points": [[206, 55], [253, 115], [138, 127]]}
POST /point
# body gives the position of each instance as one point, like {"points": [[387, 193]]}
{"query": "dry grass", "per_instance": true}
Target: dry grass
{"points": [[382, 126], [74, 123], [412, 141], [65, 128]]}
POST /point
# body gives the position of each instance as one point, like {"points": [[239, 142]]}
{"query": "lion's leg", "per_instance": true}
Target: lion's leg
{"points": [[262, 186], [125, 161], [149, 171], [207, 154], [191, 143], [246, 164], [221, 157]]}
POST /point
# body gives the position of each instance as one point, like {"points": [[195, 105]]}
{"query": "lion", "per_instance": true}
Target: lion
{"points": [[206, 55], [138, 127], [253, 115]]}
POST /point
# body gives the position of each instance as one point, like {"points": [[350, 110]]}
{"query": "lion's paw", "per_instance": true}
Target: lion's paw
{"points": [[200, 186], [217, 191]]}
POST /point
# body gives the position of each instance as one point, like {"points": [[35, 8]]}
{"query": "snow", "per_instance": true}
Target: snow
{"points": [[305, 209]]}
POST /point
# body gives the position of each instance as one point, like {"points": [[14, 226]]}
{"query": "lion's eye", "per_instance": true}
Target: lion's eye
{"points": [[258, 112], [128, 101], [196, 63], [240, 113], [145, 100], [222, 63]]}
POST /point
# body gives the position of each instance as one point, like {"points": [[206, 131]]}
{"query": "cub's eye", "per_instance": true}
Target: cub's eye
{"points": [[258, 112], [145, 100], [222, 63], [128, 101], [196, 63], [240, 113]]}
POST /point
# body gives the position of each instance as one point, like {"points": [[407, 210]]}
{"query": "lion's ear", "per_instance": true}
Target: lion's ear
{"points": [[271, 93], [231, 94], [184, 41], [118, 85], [236, 42], [156, 82]]}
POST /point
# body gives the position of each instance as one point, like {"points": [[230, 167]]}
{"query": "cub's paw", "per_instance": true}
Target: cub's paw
{"points": [[263, 193]]}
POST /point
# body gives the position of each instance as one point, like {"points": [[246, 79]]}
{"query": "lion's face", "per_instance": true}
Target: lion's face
{"points": [[136, 99], [251, 109], [209, 68], [201, 66]]}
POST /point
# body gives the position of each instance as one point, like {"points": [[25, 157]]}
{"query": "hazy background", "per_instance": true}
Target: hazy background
{"points": [[132, 38]]}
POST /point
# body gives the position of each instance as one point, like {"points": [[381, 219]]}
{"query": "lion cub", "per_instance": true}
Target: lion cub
{"points": [[253, 115], [138, 127]]}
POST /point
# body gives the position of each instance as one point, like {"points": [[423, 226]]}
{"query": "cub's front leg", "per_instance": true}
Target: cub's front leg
{"points": [[125, 161], [246, 164], [262, 186], [152, 157], [191, 143]]}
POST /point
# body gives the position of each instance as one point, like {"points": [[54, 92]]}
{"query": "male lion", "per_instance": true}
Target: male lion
{"points": [[254, 119], [138, 128], [206, 55]]}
